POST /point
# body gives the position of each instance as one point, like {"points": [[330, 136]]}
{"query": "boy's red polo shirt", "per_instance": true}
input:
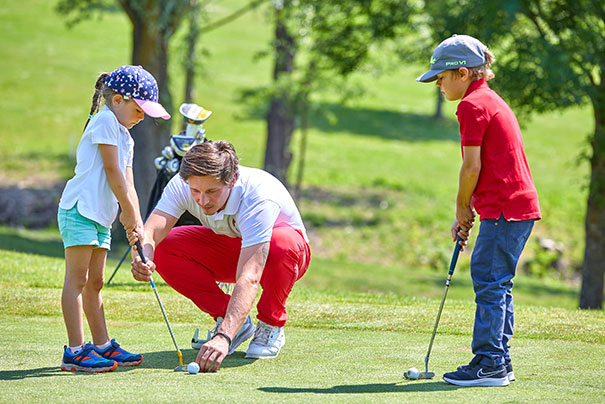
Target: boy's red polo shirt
{"points": [[505, 183]]}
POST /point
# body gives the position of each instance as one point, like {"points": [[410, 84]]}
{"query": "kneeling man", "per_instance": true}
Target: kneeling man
{"points": [[252, 234]]}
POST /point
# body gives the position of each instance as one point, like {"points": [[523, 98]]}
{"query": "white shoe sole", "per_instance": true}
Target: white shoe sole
{"points": [[511, 377], [70, 367], [260, 356], [487, 382]]}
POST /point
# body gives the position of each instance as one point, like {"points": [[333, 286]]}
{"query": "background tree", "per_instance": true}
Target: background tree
{"points": [[314, 43], [191, 41], [154, 22], [550, 55]]}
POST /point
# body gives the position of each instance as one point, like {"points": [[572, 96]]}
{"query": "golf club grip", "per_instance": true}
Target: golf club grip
{"points": [[455, 256], [140, 250]]}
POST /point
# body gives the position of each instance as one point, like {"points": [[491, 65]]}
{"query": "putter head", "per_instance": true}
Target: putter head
{"points": [[414, 374], [181, 367]]}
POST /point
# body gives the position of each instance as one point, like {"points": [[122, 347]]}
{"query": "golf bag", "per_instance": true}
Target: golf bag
{"points": [[169, 162]]}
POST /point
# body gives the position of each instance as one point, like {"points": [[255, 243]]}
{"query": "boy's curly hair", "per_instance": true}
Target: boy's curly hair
{"points": [[484, 71]]}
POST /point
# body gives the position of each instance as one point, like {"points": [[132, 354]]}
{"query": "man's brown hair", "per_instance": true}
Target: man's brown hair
{"points": [[216, 159]]}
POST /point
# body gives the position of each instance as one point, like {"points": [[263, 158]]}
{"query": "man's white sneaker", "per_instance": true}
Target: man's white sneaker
{"points": [[243, 334], [267, 342]]}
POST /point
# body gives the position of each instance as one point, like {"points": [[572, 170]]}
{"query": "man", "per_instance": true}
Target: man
{"points": [[252, 234]]}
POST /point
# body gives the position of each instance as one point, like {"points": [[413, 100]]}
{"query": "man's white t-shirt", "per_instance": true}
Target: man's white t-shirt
{"points": [[258, 203], [89, 188]]}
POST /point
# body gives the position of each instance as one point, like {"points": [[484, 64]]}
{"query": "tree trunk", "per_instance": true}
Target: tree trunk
{"points": [[304, 126], [150, 50], [280, 117], [593, 269], [191, 58], [439, 109]]}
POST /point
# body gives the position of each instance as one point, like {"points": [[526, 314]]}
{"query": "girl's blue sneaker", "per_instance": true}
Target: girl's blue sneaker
{"points": [[87, 360], [123, 358]]}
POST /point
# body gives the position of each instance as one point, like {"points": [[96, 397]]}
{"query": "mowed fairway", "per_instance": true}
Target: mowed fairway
{"points": [[378, 199], [341, 346]]}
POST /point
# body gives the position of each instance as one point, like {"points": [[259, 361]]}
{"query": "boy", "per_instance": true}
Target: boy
{"points": [[494, 181]]}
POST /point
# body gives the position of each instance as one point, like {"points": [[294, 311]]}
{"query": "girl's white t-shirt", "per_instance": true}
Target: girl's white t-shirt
{"points": [[258, 202], [89, 188]]}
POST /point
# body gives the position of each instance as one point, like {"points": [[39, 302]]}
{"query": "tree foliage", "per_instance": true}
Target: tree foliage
{"points": [[325, 41]]}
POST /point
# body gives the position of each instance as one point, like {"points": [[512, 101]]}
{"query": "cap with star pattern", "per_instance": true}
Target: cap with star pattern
{"points": [[137, 83]]}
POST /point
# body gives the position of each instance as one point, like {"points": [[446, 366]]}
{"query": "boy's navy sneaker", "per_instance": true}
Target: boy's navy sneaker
{"points": [[87, 360], [122, 357], [475, 374], [509, 370]]}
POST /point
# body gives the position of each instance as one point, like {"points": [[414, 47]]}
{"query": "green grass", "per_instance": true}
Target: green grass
{"points": [[350, 337]]}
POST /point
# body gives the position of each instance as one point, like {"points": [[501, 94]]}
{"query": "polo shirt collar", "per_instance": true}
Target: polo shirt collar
{"points": [[476, 85]]}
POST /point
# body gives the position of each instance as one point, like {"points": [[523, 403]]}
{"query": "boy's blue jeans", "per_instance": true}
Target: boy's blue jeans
{"points": [[493, 266]]}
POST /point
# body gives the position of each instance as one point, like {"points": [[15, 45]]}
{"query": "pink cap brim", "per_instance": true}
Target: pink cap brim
{"points": [[153, 109]]}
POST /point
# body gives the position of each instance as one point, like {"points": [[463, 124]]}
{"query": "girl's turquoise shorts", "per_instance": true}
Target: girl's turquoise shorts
{"points": [[77, 230]]}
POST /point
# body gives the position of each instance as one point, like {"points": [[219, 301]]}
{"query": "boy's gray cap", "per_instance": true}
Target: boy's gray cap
{"points": [[456, 51]]}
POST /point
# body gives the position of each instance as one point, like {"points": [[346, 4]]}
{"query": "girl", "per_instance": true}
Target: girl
{"points": [[89, 204]]}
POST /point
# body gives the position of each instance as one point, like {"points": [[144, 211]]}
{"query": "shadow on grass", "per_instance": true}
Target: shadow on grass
{"points": [[27, 373], [169, 360], [166, 360], [387, 124], [399, 387], [526, 285], [15, 242]]}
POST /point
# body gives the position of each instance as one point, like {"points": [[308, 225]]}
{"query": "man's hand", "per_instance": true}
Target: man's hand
{"points": [[141, 271], [212, 353]]}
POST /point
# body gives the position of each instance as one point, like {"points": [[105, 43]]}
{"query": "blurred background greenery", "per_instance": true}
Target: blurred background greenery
{"points": [[380, 177]]}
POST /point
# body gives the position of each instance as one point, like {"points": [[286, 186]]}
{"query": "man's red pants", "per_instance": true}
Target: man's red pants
{"points": [[191, 259]]}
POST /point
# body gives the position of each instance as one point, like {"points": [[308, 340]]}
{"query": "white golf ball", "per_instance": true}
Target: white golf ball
{"points": [[193, 368], [412, 373]]}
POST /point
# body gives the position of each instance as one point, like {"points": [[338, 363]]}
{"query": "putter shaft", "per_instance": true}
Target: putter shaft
{"points": [[157, 295], [447, 285]]}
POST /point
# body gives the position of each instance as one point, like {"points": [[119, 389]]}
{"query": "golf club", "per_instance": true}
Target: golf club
{"points": [[181, 367], [119, 264], [426, 374]]}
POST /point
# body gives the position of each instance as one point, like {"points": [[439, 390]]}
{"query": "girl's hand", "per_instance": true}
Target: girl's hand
{"points": [[129, 220], [135, 234]]}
